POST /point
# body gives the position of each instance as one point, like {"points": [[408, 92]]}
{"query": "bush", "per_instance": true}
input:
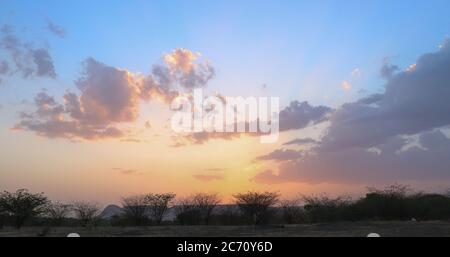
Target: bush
{"points": [[22, 205], [325, 209]]}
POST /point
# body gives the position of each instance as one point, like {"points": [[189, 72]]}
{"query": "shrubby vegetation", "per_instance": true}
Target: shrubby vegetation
{"points": [[395, 202]]}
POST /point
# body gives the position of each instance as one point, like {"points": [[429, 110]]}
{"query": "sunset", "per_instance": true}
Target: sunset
{"points": [[103, 100]]}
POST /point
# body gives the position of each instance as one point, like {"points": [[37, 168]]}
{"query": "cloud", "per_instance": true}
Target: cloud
{"points": [[299, 115], [27, 61], [203, 137], [108, 97], [413, 101], [359, 165], [126, 171], [301, 141], [44, 63], [281, 155], [183, 67], [356, 72], [214, 169], [4, 67], [346, 85], [388, 70], [55, 29], [369, 140], [208, 177]]}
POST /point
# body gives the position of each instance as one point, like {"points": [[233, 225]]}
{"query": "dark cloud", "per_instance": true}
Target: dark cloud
{"points": [[299, 115], [388, 70], [55, 29], [4, 67], [44, 63], [367, 140], [414, 101], [385, 164], [26, 60]]}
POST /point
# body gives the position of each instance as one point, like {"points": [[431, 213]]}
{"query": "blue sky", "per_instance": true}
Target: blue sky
{"points": [[251, 43]]}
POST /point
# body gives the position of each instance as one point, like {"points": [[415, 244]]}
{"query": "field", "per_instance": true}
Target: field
{"points": [[343, 229]]}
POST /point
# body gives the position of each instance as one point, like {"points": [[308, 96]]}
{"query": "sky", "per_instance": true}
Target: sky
{"points": [[85, 90]]}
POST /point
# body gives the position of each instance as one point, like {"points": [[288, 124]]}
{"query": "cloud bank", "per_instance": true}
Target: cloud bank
{"points": [[395, 135]]}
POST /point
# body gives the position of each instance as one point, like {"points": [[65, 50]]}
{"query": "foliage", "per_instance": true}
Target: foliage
{"points": [[255, 206], [22, 205]]}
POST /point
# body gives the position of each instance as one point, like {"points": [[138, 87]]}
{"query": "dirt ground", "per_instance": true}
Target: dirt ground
{"points": [[342, 229]]}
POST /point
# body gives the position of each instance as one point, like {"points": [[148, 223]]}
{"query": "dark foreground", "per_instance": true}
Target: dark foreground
{"points": [[343, 229]]}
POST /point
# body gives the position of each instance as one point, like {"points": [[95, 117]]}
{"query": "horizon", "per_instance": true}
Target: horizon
{"points": [[86, 90]]}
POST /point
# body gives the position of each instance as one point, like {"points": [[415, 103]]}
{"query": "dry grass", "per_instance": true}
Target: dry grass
{"points": [[343, 229]]}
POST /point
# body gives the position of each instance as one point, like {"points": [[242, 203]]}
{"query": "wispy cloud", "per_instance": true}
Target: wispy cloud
{"points": [[55, 29]]}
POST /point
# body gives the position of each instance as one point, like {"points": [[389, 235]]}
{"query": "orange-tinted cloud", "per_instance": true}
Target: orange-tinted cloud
{"points": [[110, 97]]}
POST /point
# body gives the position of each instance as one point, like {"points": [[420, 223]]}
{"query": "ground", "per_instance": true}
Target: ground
{"points": [[342, 229]]}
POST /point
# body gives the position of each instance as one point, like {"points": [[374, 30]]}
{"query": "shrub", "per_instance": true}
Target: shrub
{"points": [[22, 205]]}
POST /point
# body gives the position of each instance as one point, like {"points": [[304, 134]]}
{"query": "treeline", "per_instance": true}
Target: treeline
{"points": [[395, 202]]}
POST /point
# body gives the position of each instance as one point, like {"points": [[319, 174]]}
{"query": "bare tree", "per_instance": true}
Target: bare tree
{"points": [[58, 211], [86, 212], [292, 211], [186, 212], [135, 208], [22, 205], [395, 190], [255, 205], [158, 205], [205, 203]]}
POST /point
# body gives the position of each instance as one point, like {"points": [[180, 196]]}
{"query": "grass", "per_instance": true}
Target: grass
{"points": [[340, 229]]}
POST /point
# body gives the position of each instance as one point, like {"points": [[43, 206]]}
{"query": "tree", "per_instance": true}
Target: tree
{"points": [[205, 204], [86, 212], [323, 208], [22, 205], [255, 205], [136, 208], [186, 212], [58, 211], [292, 211], [2, 218], [158, 205]]}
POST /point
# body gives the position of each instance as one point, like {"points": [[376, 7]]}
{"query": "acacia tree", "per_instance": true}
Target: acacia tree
{"points": [[291, 210], [86, 212], [205, 204], [58, 211], [186, 211], [22, 205], [136, 208], [255, 206], [158, 205]]}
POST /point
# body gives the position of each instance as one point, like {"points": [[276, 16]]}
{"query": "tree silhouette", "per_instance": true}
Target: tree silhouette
{"points": [[22, 205], [136, 209], [86, 212], [205, 204], [158, 205], [58, 211], [255, 205]]}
